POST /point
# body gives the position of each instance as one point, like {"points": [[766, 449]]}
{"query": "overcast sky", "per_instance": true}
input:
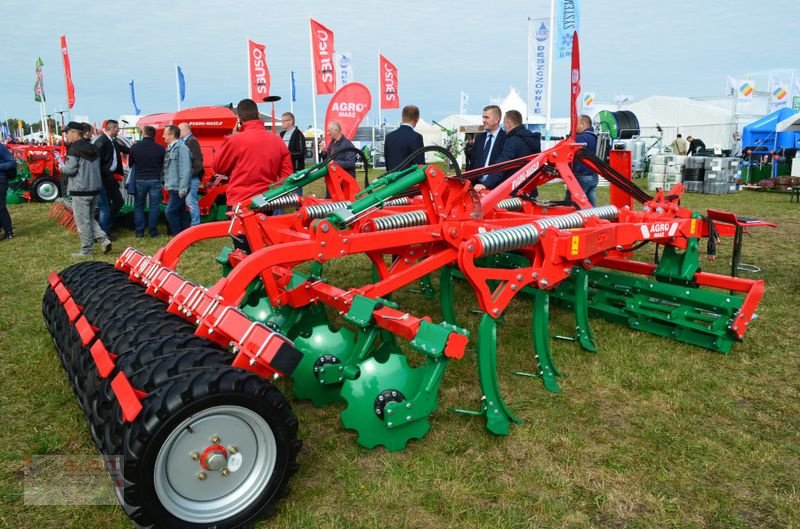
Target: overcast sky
{"points": [[633, 47]]}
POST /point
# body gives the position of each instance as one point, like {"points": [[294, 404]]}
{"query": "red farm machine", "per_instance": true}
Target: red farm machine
{"points": [[175, 378], [38, 176]]}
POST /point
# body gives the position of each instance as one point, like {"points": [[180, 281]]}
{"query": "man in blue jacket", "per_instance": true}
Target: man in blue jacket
{"points": [[7, 165], [405, 140], [177, 178], [147, 160], [586, 177], [519, 142]]}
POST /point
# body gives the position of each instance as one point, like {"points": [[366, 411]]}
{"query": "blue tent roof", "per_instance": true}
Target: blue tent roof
{"points": [[762, 131]]}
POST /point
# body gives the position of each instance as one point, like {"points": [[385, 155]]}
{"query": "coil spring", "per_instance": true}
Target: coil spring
{"points": [[505, 240], [321, 210], [511, 204], [402, 201], [575, 220], [401, 220], [286, 201]]}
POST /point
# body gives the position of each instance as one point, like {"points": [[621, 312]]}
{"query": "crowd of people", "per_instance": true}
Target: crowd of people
{"points": [[252, 159]]}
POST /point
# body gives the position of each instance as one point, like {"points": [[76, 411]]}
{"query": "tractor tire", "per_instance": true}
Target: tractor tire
{"points": [[162, 484], [156, 373], [45, 190]]}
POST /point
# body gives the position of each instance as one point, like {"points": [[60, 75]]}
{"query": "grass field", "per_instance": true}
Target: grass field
{"points": [[646, 433]]}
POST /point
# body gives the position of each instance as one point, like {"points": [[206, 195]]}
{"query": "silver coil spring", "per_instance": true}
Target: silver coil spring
{"points": [[401, 220], [510, 204], [402, 201], [286, 201], [322, 210], [505, 240]]}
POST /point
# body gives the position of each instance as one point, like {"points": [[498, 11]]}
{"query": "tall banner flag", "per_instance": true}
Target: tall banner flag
{"points": [[38, 88], [136, 110], [258, 71], [344, 69], [588, 101], [575, 82], [68, 73], [795, 89], [462, 108], [349, 106], [294, 89], [538, 65], [181, 85], [389, 84], [322, 51], [779, 94], [567, 23]]}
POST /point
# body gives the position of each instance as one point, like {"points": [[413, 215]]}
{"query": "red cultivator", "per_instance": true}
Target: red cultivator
{"points": [[175, 376]]}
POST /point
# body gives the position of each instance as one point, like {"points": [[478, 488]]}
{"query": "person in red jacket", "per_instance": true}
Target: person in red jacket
{"points": [[252, 158]]}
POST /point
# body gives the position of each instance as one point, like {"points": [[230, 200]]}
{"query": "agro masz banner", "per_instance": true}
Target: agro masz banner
{"points": [[349, 106]]}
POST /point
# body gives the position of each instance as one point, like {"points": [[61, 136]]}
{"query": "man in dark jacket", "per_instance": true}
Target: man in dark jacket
{"points": [[82, 167], [695, 145], [585, 176], [7, 166], [405, 140], [519, 142], [295, 141], [110, 167], [489, 143], [146, 160], [197, 172]]}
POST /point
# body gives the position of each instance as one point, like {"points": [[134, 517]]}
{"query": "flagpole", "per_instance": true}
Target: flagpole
{"points": [[313, 90], [380, 96], [177, 87], [550, 66]]}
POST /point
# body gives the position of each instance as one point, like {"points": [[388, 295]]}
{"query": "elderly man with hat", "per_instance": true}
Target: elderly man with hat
{"points": [[82, 168]]}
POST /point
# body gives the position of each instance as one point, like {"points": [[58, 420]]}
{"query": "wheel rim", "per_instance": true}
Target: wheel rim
{"points": [[47, 191], [216, 497]]}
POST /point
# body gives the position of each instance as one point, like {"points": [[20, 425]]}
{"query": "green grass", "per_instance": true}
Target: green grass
{"points": [[646, 433]]}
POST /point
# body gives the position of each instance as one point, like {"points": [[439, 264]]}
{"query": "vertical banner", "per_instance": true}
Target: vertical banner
{"points": [[567, 23], [258, 70], [588, 100], [389, 84], [322, 51], [575, 81], [181, 84], [794, 84], [294, 89], [538, 66], [779, 95], [136, 110], [344, 69], [348, 106], [38, 87], [67, 73], [462, 109]]}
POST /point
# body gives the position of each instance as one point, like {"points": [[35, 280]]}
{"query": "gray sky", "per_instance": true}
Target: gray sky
{"points": [[634, 47]]}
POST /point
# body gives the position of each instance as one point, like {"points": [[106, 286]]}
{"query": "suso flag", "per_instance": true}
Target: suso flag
{"points": [[567, 23], [538, 65], [344, 69], [348, 106], [38, 87], [136, 110], [181, 84], [389, 84], [322, 51], [259, 71], [67, 73]]}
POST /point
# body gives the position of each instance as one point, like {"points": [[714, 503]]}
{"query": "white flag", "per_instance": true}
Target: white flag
{"points": [[462, 109], [779, 93], [343, 64], [538, 65], [588, 99], [742, 88]]}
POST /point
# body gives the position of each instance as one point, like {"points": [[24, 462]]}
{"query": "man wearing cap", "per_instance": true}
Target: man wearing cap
{"points": [[82, 168]]}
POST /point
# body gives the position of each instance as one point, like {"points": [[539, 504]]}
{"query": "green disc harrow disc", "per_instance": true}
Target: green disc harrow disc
{"points": [[367, 396]]}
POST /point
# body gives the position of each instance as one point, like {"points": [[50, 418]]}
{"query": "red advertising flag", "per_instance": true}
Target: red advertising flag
{"points": [[348, 106], [259, 72], [322, 50], [388, 83], [68, 73], [575, 85]]}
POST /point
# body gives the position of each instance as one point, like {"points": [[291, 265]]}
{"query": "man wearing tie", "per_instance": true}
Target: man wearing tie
{"points": [[489, 143], [111, 172]]}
